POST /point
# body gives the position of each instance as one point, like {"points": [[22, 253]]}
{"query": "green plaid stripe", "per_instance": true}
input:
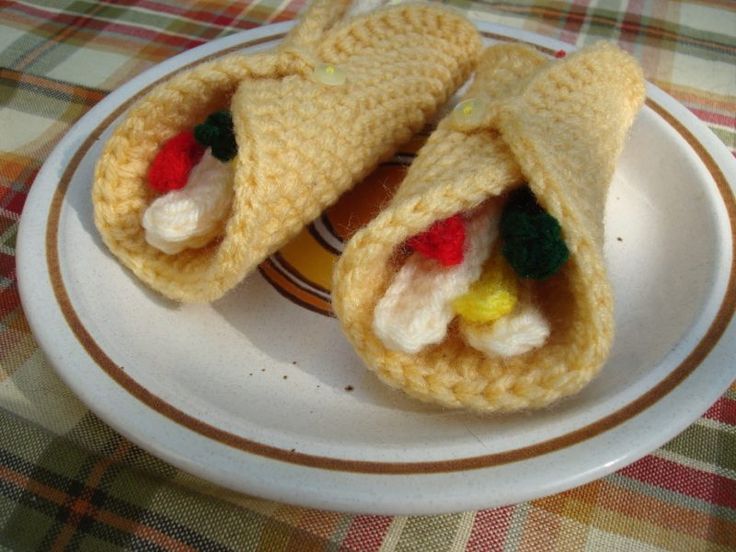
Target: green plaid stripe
{"points": [[120, 497], [61, 102], [692, 444]]}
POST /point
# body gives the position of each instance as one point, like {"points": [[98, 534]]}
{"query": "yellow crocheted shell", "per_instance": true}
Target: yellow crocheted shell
{"points": [[560, 126], [301, 143]]}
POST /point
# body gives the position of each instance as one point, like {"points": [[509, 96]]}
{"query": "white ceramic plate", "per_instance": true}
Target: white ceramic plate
{"points": [[262, 395]]}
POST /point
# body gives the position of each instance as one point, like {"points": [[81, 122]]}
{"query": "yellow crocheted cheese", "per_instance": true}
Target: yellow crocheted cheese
{"points": [[559, 125], [301, 141], [492, 296]]}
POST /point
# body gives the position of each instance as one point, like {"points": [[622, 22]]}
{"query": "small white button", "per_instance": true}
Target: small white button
{"points": [[329, 74], [470, 111]]}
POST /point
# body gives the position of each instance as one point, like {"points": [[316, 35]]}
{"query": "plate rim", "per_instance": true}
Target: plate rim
{"points": [[270, 33]]}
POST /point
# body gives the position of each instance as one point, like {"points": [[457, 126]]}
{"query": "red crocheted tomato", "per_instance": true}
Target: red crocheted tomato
{"points": [[174, 161], [444, 241]]}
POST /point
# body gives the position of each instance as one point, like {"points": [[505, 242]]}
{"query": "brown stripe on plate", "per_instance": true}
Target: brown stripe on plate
{"points": [[291, 290], [289, 269]]}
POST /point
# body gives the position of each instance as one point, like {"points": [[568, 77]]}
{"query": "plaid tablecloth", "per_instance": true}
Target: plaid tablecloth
{"points": [[68, 481]]}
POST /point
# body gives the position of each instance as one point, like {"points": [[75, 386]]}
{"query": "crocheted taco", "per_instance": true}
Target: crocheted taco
{"points": [[482, 284], [219, 166]]}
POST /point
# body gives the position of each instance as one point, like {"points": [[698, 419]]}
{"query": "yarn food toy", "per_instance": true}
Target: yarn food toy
{"points": [[555, 125], [310, 119]]}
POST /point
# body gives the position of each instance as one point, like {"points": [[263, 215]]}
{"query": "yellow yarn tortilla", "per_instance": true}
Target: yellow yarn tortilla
{"points": [[560, 126], [301, 142]]}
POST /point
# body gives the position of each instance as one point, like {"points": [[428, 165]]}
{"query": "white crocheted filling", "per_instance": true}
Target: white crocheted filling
{"points": [[522, 330], [192, 216], [417, 306]]}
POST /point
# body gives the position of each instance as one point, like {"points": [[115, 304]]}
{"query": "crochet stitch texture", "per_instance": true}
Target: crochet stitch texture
{"points": [[560, 126], [301, 143]]}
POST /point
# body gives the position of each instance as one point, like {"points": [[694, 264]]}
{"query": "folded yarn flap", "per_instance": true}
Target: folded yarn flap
{"points": [[301, 143], [568, 128]]}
